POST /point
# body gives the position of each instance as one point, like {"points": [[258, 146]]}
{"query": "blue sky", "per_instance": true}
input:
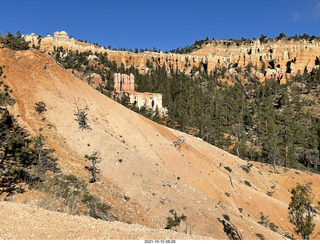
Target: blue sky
{"points": [[162, 24]]}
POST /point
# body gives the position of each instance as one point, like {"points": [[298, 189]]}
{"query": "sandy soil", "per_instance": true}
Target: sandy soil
{"points": [[25, 222], [139, 161]]}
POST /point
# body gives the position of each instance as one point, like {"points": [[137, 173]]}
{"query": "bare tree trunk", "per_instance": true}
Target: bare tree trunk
{"points": [[286, 156], [230, 176]]}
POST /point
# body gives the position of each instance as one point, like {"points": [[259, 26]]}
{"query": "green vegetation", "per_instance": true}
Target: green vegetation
{"points": [[228, 168], [22, 159], [13, 42], [300, 210], [270, 193], [71, 193], [267, 122], [25, 162], [247, 183], [82, 119], [264, 220], [5, 97], [287, 235], [247, 167], [189, 49], [175, 220], [273, 227], [94, 159], [40, 107], [261, 237], [43, 156]]}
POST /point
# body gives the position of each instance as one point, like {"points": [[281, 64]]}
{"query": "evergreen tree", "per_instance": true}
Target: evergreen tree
{"points": [[300, 214]]}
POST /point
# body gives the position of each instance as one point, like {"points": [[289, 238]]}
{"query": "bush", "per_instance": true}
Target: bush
{"points": [[74, 195], [247, 167], [226, 217], [94, 159], [270, 193], [82, 118], [42, 156], [40, 107], [14, 42], [273, 227], [264, 220], [261, 237], [247, 183], [175, 221], [228, 168], [5, 97]]}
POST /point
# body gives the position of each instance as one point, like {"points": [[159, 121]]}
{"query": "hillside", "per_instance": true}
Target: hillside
{"points": [[139, 162], [26, 222]]}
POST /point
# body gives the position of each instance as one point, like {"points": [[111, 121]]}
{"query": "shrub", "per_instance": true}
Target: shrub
{"points": [[264, 220], [247, 183], [286, 234], [40, 107], [175, 220], [261, 237], [13, 42], [73, 194], [82, 118], [273, 227], [270, 193], [228, 168], [247, 167], [226, 217], [94, 159], [42, 156], [5, 97]]}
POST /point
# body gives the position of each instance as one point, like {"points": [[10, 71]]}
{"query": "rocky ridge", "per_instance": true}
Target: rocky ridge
{"points": [[282, 58]]}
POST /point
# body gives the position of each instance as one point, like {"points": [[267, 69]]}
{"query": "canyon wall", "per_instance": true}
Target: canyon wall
{"points": [[61, 39], [123, 82], [124, 85], [281, 58]]}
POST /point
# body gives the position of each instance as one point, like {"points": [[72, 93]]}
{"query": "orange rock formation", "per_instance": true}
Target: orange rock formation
{"points": [[282, 58], [124, 84]]}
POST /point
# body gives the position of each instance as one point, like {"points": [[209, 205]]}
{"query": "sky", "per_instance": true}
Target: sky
{"points": [[165, 24]]}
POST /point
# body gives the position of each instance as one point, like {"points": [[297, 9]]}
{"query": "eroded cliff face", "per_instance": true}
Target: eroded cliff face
{"points": [[124, 85], [281, 58], [61, 39]]}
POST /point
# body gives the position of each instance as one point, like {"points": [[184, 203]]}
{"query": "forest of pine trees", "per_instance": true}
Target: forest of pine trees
{"points": [[266, 122]]}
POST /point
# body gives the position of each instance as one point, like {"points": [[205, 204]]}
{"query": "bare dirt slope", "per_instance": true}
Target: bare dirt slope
{"points": [[139, 160], [26, 222]]}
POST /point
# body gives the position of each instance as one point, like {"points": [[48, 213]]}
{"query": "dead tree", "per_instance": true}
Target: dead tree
{"points": [[82, 117], [261, 173], [230, 177], [178, 142], [94, 159]]}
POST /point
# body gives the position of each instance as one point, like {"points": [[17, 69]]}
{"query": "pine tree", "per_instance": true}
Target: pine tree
{"points": [[300, 214]]}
